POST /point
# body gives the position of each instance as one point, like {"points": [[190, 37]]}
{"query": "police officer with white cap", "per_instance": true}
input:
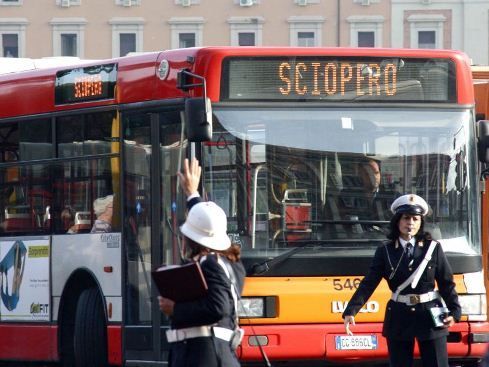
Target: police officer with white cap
{"points": [[408, 314], [205, 332]]}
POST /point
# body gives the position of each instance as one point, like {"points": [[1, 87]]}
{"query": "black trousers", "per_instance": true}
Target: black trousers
{"points": [[433, 352], [202, 352]]}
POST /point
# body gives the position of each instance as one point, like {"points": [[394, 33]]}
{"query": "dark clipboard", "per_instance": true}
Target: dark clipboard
{"points": [[180, 283]]}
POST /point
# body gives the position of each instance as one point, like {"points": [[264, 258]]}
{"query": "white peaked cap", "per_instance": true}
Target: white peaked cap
{"points": [[410, 204], [206, 224]]}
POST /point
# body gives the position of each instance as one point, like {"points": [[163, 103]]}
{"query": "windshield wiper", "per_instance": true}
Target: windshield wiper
{"points": [[267, 265]]}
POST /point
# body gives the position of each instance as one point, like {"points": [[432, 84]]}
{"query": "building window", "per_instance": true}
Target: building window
{"points": [[11, 2], [246, 31], [127, 35], [366, 39], [366, 30], [427, 39], [10, 45], [68, 44], [186, 40], [246, 39], [305, 31], [426, 30], [68, 36], [305, 39], [12, 37], [186, 32], [127, 43]]}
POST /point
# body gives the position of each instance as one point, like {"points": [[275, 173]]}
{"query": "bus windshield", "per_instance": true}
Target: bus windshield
{"points": [[325, 178]]}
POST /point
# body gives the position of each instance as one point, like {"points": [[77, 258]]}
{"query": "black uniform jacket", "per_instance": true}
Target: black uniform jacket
{"points": [[403, 322], [216, 308]]}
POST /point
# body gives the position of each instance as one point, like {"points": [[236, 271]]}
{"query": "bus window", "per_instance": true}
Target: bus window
{"points": [[173, 204], [82, 135], [26, 188], [79, 183], [137, 211], [24, 208], [35, 140]]}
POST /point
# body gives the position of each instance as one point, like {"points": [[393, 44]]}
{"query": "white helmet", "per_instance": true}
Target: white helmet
{"points": [[206, 224]]}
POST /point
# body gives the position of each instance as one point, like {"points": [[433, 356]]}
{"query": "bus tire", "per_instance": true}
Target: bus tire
{"points": [[90, 336]]}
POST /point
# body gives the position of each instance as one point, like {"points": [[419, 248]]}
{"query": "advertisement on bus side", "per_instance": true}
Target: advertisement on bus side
{"points": [[24, 275]]}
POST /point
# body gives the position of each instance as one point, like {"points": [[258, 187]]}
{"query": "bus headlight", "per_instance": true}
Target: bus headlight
{"points": [[255, 307], [473, 304], [251, 307]]}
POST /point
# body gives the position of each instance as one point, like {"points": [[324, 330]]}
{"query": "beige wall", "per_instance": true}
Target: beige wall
{"points": [[157, 31]]}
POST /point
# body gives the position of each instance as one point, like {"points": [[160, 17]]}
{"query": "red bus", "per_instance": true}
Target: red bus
{"points": [[285, 137]]}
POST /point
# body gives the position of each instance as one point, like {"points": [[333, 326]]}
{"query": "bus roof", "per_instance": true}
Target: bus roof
{"points": [[13, 65], [139, 78]]}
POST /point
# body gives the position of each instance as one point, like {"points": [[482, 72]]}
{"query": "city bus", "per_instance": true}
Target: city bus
{"points": [[303, 148]]}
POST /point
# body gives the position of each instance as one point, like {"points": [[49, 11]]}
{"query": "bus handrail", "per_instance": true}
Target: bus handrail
{"points": [[255, 188]]}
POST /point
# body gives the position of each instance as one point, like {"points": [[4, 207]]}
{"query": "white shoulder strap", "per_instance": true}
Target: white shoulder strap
{"points": [[423, 264], [414, 277], [233, 286], [234, 291]]}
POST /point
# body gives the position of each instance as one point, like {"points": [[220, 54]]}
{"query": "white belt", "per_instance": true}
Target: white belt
{"points": [[178, 335], [414, 299]]}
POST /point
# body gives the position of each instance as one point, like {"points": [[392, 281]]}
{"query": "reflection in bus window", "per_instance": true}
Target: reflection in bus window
{"points": [[79, 181], [26, 188], [88, 134], [137, 211], [282, 183], [173, 203]]}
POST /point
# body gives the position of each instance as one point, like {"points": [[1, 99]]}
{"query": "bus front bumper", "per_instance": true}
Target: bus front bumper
{"points": [[467, 340]]}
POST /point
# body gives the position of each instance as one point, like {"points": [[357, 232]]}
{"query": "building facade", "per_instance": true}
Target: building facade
{"points": [[451, 24], [98, 29]]}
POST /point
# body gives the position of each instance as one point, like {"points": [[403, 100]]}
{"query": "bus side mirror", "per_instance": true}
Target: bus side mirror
{"points": [[483, 141], [198, 119]]}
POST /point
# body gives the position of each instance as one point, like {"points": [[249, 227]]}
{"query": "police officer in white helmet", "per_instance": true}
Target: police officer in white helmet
{"points": [[411, 261], [205, 332]]}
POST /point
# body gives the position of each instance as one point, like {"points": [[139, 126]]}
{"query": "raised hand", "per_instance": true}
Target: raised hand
{"points": [[190, 177]]}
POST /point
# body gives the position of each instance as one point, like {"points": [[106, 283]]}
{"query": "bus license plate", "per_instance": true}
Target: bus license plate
{"points": [[348, 342]]}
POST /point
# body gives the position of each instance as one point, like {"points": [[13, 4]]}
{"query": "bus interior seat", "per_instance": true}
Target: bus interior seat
{"points": [[296, 214], [83, 221], [18, 218], [46, 219], [338, 179]]}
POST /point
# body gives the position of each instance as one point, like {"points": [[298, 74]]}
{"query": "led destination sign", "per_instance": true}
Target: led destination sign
{"points": [[85, 84], [333, 79], [339, 79]]}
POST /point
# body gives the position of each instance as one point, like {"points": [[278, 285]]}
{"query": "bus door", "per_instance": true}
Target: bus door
{"points": [[153, 147]]}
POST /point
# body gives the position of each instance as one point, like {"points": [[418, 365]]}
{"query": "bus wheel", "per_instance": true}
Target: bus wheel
{"points": [[90, 339]]}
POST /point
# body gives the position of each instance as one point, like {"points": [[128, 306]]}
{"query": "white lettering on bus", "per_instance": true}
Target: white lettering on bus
{"points": [[369, 307]]}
